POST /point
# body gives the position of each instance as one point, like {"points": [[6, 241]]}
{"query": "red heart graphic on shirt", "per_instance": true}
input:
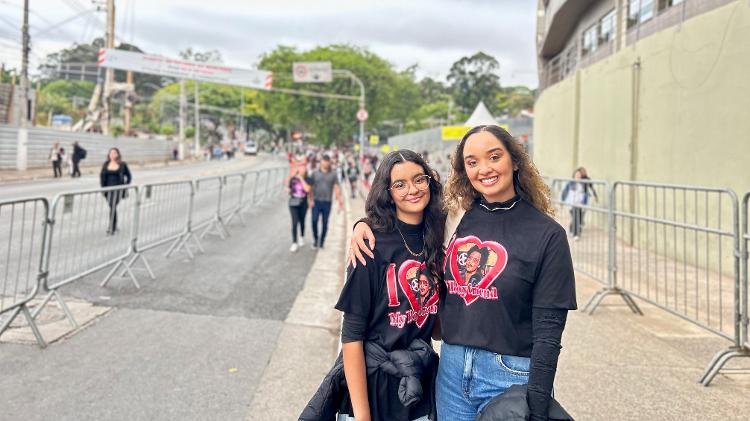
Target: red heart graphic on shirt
{"points": [[489, 277], [420, 315]]}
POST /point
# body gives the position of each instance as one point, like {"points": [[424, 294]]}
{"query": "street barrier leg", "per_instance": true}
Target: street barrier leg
{"points": [[33, 326], [718, 362], [114, 270], [597, 299]]}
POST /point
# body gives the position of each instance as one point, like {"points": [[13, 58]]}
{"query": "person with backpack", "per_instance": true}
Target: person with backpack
{"points": [[78, 154]]}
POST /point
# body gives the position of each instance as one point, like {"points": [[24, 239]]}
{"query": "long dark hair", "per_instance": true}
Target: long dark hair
{"points": [[381, 211], [526, 179]]}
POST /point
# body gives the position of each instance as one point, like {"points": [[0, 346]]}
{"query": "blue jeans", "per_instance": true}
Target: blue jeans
{"points": [[469, 378], [321, 209]]}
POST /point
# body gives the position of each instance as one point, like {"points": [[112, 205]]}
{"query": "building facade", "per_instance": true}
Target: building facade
{"points": [[652, 90]]}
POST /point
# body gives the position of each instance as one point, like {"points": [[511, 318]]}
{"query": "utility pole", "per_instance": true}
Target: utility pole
{"points": [[110, 72], [242, 115], [197, 120], [183, 103], [129, 103], [23, 133], [354, 77]]}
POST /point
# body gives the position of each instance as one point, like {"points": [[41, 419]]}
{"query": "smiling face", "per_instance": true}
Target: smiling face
{"points": [[472, 261], [114, 155], [410, 202], [489, 167]]}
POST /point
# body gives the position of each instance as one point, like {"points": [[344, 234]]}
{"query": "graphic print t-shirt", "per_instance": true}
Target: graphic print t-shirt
{"points": [[295, 187], [394, 291], [399, 299], [498, 266]]}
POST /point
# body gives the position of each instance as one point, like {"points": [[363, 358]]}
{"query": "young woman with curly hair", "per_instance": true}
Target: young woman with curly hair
{"points": [[505, 328]]}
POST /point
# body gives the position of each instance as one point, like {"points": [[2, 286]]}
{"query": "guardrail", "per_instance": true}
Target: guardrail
{"points": [[44, 248], [679, 248]]}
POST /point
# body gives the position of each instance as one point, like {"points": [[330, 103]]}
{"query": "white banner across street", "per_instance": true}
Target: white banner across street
{"points": [[184, 69]]}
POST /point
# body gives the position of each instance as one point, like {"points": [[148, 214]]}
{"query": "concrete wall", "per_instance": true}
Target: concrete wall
{"points": [[673, 108], [684, 119], [96, 145]]}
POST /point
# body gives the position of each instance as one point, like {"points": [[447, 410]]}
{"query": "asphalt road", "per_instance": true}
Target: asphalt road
{"points": [[191, 344]]}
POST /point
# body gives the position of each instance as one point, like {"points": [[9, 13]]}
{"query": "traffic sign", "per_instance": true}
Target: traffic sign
{"points": [[374, 139], [362, 115], [312, 72]]}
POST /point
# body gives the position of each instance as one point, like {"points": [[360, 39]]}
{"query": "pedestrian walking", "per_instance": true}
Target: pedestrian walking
{"points": [[78, 155], [505, 328], [576, 195], [56, 158], [298, 185], [386, 369], [115, 172], [325, 183], [352, 173]]}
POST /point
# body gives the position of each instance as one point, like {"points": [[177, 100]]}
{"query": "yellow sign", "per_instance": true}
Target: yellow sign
{"points": [[374, 139], [356, 147], [395, 148], [385, 148], [454, 132]]}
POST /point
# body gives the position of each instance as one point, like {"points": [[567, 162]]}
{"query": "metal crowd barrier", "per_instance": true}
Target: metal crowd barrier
{"points": [[207, 207], [158, 203], [232, 197], [23, 229], [677, 248], [45, 247], [582, 207]]}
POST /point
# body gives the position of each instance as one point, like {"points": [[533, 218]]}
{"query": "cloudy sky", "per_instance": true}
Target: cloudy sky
{"points": [[430, 33]]}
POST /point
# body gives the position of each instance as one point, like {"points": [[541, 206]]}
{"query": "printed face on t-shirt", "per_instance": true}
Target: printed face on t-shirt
{"points": [[421, 294], [474, 265]]}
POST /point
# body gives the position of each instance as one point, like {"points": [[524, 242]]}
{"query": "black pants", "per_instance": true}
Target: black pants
{"points": [[76, 170], [321, 209], [298, 218], [56, 168], [576, 219], [113, 199]]}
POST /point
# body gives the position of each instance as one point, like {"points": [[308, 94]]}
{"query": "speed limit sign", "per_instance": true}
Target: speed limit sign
{"points": [[362, 114]]}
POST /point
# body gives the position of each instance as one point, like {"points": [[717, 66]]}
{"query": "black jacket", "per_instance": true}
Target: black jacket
{"points": [[512, 406], [407, 364], [124, 176]]}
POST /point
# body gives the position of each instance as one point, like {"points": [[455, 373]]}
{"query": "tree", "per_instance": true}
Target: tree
{"points": [[390, 95], [474, 79], [514, 99]]}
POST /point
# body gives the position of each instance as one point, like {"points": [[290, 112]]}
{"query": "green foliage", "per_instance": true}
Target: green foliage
{"points": [[475, 79], [168, 130], [116, 130], [190, 132], [389, 94], [514, 99]]}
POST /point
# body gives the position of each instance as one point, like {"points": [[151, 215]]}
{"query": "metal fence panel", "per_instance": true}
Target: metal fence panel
{"points": [[232, 197], [676, 248], [23, 230], [745, 256], [207, 207], [164, 213], [582, 208], [91, 230]]}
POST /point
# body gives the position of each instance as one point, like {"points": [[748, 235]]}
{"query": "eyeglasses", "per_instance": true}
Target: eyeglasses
{"points": [[421, 182]]}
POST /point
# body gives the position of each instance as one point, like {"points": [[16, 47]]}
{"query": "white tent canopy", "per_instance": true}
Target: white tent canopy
{"points": [[480, 116]]}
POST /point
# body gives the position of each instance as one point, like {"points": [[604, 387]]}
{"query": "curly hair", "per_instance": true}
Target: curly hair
{"points": [[381, 211], [526, 179]]}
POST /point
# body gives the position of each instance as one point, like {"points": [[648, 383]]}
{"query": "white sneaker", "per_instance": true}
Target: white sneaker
{"points": [[293, 248], [301, 242], [576, 238]]}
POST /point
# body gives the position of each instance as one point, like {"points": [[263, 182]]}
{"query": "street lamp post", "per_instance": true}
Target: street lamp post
{"points": [[348, 73]]}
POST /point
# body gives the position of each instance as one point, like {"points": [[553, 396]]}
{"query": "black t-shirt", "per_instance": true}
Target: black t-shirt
{"points": [[296, 189], [397, 296], [498, 266]]}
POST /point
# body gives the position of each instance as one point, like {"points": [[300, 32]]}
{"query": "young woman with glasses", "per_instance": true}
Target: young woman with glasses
{"points": [[390, 304], [508, 279]]}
